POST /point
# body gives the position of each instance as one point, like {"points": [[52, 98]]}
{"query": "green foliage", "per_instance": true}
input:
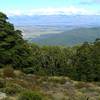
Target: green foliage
{"points": [[13, 49], [79, 62], [87, 62], [3, 16], [30, 95], [53, 60], [12, 89]]}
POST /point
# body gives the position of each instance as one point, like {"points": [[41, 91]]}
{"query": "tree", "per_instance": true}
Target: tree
{"points": [[87, 62], [13, 49]]}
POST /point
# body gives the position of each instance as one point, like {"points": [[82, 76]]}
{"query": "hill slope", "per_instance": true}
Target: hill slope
{"points": [[71, 37]]}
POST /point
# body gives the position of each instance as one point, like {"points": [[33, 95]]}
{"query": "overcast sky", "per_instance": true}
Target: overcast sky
{"points": [[49, 7]]}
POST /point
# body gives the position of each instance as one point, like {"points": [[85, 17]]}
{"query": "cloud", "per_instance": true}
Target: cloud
{"points": [[53, 11], [13, 12], [88, 2]]}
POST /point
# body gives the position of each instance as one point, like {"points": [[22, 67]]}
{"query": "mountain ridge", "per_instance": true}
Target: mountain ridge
{"points": [[78, 20]]}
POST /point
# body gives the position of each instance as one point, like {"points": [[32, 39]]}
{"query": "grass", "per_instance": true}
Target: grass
{"points": [[52, 88]]}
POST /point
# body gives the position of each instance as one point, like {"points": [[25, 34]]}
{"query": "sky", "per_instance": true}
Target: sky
{"points": [[50, 7]]}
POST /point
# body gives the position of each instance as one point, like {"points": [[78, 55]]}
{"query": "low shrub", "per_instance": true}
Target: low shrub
{"points": [[8, 71], [2, 83], [82, 85], [28, 70], [30, 95], [12, 89], [60, 80]]}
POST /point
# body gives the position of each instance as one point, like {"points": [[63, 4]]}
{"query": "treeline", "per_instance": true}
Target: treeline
{"points": [[78, 62]]}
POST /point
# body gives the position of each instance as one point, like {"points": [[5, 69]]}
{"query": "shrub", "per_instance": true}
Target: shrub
{"points": [[30, 95], [60, 80], [28, 70], [12, 89], [8, 71], [82, 85], [2, 83]]}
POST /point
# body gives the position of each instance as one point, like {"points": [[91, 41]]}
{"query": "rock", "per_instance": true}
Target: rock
{"points": [[2, 95]]}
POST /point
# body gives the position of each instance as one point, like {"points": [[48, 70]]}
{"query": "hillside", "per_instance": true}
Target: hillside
{"points": [[50, 88], [69, 37], [33, 72]]}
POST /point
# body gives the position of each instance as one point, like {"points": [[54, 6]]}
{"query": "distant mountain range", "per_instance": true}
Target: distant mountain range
{"points": [[58, 29], [73, 20]]}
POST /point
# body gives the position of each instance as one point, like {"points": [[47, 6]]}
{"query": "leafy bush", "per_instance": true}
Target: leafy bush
{"points": [[12, 89], [30, 95], [28, 70]]}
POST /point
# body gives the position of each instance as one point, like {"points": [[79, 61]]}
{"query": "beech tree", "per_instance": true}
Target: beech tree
{"points": [[13, 49]]}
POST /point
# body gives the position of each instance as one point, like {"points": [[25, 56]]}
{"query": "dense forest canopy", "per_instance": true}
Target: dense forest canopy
{"points": [[13, 49], [78, 62]]}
